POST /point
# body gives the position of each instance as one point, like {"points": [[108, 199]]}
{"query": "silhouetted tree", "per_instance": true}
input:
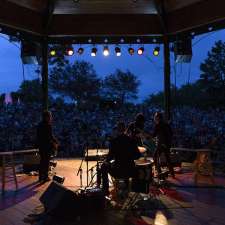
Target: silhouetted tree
{"points": [[30, 91], [122, 86], [77, 81], [213, 73]]}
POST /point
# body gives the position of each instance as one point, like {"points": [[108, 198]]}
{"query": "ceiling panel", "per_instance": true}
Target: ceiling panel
{"points": [[104, 7]]}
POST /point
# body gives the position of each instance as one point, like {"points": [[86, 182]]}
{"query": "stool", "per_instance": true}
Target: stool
{"points": [[11, 164]]}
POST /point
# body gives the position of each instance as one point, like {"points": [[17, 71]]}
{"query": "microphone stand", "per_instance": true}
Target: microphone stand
{"points": [[87, 172], [80, 171]]}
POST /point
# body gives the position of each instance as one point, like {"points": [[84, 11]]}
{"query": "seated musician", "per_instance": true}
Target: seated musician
{"points": [[120, 160]]}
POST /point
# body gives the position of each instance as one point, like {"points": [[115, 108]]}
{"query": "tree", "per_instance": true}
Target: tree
{"points": [[30, 91], [213, 73], [77, 81], [122, 86], [15, 97], [2, 99]]}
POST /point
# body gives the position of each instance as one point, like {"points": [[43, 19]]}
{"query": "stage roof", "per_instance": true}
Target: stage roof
{"points": [[82, 19]]}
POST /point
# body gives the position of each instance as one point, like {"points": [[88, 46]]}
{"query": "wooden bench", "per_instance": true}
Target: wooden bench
{"points": [[8, 161]]}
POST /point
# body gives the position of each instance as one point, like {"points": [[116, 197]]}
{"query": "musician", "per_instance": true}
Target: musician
{"points": [[47, 143], [120, 159], [135, 129], [163, 133]]}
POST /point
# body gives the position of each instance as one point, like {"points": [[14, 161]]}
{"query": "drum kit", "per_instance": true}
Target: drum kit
{"points": [[144, 168]]}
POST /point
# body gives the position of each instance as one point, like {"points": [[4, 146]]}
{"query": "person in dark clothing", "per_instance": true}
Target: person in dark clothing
{"points": [[136, 128], [120, 159], [163, 133], [47, 143]]}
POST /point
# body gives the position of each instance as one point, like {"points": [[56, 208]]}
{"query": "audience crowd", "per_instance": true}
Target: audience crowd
{"points": [[78, 129]]}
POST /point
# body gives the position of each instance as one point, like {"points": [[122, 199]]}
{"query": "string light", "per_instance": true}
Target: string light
{"points": [[140, 51], [94, 52], [106, 51], [69, 51], [52, 52], [118, 51], [131, 51], [156, 51], [80, 51]]}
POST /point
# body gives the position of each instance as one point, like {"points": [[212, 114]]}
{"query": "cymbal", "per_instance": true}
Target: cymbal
{"points": [[142, 162]]}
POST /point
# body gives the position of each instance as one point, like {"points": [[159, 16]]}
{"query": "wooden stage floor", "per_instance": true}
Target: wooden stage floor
{"points": [[183, 203]]}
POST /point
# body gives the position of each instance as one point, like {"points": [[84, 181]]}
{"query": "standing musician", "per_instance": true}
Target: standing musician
{"points": [[47, 144], [120, 160], [137, 132], [136, 128], [163, 134]]}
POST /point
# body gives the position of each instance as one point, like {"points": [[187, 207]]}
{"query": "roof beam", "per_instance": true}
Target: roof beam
{"points": [[19, 18], [196, 16], [159, 5], [48, 15]]}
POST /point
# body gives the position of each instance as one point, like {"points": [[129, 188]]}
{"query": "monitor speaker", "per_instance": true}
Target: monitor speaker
{"points": [[183, 50], [63, 203], [60, 201]]}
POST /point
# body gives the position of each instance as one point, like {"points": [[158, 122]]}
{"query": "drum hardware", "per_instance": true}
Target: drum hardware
{"points": [[81, 176]]}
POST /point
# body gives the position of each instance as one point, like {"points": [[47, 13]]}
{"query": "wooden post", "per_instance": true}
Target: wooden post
{"points": [[44, 74], [167, 94]]}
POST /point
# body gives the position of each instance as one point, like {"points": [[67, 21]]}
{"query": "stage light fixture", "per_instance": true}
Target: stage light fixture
{"points": [[131, 51], [69, 51], [140, 51], [118, 51], [156, 51], [80, 51], [94, 52], [52, 52], [106, 51]]}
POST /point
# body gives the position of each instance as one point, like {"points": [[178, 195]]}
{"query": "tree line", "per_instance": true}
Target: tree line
{"points": [[79, 83]]}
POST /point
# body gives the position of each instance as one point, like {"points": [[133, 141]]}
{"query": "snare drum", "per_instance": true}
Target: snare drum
{"points": [[143, 176]]}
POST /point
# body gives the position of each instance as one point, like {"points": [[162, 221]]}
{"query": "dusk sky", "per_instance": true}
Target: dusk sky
{"points": [[148, 68]]}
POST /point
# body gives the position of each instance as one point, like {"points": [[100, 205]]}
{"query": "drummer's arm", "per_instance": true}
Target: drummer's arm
{"points": [[136, 152]]}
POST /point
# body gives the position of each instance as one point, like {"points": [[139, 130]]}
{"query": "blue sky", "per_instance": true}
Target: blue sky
{"points": [[148, 68]]}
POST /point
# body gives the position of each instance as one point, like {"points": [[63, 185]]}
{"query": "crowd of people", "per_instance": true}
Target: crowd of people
{"points": [[77, 129]]}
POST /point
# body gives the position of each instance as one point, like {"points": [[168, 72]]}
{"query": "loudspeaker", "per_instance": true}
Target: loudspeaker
{"points": [[183, 50], [60, 201], [30, 53]]}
